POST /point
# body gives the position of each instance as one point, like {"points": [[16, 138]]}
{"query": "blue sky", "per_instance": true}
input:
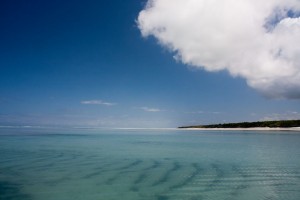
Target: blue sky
{"points": [[85, 63]]}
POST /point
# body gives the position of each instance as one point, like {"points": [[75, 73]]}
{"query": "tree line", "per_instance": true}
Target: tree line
{"points": [[270, 124]]}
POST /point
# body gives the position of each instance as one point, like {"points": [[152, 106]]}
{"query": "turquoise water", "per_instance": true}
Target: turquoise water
{"points": [[42, 164]]}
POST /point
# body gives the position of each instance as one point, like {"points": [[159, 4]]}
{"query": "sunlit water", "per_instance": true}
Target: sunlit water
{"points": [[41, 164]]}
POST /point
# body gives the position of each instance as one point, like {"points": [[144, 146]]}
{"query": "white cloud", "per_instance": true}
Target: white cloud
{"points": [[150, 109], [254, 39], [97, 102]]}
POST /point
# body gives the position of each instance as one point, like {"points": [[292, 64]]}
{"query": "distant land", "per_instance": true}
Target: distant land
{"points": [[259, 124]]}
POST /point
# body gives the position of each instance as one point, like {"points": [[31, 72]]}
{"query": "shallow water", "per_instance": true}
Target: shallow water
{"points": [[40, 164]]}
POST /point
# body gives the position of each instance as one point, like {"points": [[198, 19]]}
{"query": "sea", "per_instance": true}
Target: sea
{"points": [[148, 164]]}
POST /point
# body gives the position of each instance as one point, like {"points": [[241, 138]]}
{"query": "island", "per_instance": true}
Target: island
{"points": [[258, 124]]}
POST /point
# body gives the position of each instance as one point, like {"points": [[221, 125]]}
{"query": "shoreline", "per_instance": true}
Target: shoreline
{"points": [[295, 129]]}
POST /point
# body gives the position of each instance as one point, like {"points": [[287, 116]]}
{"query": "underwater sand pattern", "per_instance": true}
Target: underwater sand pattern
{"points": [[46, 172]]}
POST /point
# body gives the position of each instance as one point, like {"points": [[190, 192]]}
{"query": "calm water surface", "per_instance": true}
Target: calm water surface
{"points": [[40, 164]]}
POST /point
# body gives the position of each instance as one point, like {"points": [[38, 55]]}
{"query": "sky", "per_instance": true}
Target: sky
{"points": [[162, 63]]}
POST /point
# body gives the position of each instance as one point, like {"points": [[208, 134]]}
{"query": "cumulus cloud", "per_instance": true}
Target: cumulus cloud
{"points": [[253, 39], [97, 102]]}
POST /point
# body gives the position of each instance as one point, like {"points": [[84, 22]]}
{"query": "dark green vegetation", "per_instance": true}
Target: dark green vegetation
{"points": [[271, 124]]}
